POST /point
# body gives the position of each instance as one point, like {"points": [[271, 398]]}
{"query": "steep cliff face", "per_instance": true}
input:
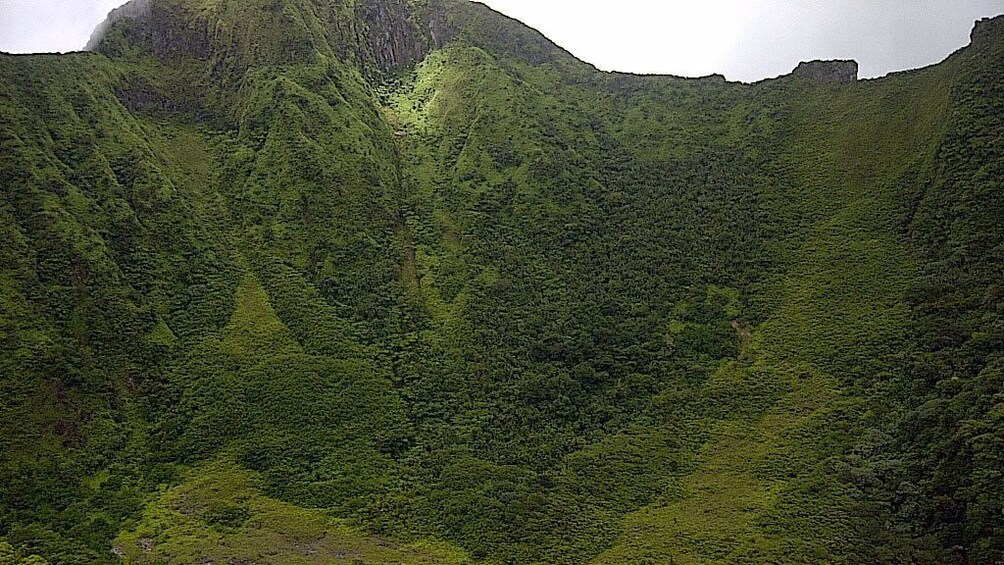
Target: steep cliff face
{"points": [[394, 34], [379, 35], [132, 10], [828, 72], [986, 29]]}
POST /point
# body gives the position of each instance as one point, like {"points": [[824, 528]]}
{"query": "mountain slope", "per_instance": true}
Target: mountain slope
{"points": [[387, 281]]}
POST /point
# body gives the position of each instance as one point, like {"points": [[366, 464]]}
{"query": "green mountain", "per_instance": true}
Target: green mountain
{"points": [[401, 281]]}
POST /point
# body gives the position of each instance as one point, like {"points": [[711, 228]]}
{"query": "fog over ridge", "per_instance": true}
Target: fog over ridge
{"points": [[131, 9]]}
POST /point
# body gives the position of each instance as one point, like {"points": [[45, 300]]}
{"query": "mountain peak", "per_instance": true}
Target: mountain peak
{"points": [[379, 34], [134, 9]]}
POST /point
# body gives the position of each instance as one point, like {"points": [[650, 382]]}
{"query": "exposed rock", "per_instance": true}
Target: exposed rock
{"points": [[157, 26], [391, 37], [382, 35], [134, 9], [984, 28], [828, 72]]}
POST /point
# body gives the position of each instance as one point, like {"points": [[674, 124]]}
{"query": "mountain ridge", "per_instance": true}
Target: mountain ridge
{"points": [[284, 281], [136, 9]]}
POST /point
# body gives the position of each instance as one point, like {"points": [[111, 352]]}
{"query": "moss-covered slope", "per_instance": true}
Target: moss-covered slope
{"points": [[402, 281]]}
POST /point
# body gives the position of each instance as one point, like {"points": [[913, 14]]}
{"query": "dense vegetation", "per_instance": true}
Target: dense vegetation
{"points": [[297, 281]]}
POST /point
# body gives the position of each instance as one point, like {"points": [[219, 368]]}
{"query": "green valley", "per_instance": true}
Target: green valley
{"points": [[402, 281]]}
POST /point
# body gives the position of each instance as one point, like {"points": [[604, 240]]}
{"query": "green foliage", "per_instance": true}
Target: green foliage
{"points": [[277, 288], [952, 389], [9, 556], [219, 514]]}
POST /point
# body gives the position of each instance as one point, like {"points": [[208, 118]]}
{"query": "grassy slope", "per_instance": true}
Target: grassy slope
{"points": [[841, 309], [104, 210], [218, 513], [544, 313], [154, 197], [838, 300]]}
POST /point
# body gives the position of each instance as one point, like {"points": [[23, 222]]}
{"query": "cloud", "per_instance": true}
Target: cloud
{"points": [[36, 26]]}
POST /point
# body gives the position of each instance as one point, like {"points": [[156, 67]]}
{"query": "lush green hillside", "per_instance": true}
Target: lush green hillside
{"points": [[389, 281]]}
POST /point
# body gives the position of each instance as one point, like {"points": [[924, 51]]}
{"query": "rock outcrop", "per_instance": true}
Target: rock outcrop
{"points": [[382, 35], [156, 25], [828, 72], [134, 9], [984, 28], [392, 36]]}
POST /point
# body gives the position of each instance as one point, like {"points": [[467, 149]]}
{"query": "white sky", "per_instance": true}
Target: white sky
{"points": [[742, 39]]}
